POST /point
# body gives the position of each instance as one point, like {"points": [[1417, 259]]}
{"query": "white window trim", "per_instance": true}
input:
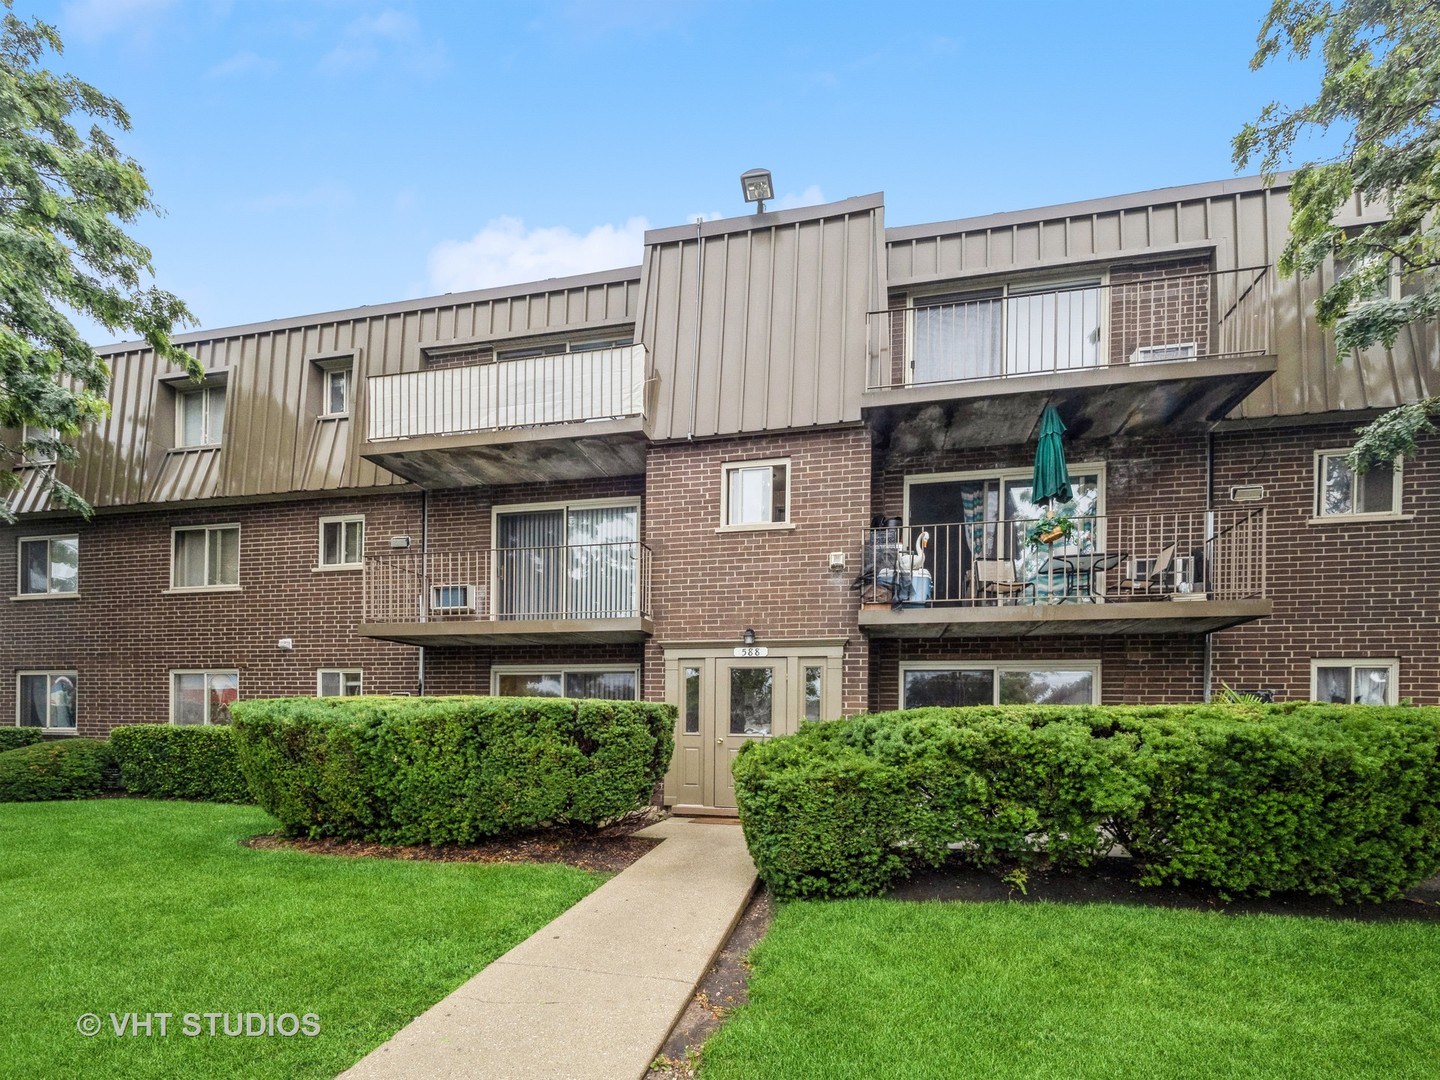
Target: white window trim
{"points": [[1391, 663], [1397, 469], [497, 670], [28, 432], [49, 594], [1092, 666], [200, 671], [342, 672], [321, 566], [49, 673], [326, 375], [756, 526], [1079, 468], [593, 343], [203, 392], [206, 588]]}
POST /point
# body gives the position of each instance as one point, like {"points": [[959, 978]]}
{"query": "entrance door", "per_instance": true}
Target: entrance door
{"points": [[750, 699], [725, 702]]}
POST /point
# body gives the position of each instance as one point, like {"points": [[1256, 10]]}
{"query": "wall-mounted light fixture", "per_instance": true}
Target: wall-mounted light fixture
{"points": [[758, 187], [748, 637]]}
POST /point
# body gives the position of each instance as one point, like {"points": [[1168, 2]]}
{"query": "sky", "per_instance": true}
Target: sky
{"points": [[312, 155]]}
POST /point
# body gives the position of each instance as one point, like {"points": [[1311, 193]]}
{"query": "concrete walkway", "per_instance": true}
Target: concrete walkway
{"points": [[594, 993]]}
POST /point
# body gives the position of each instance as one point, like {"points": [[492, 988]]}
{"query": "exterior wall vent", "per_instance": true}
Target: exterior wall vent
{"points": [[1155, 354], [1247, 493]]}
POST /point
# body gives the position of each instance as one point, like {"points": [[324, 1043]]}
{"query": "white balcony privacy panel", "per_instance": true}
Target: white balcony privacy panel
{"points": [[577, 563], [564, 389]]}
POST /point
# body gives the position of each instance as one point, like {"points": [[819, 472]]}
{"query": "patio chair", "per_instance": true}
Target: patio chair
{"points": [[995, 579], [1154, 579]]}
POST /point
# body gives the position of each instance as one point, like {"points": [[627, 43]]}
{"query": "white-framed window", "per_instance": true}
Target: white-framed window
{"points": [[205, 557], [609, 682], [198, 698], [342, 542], [1062, 682], [1341, 492], [35, 455], [338, 682], [46, 699], [556, 348], [200, 416], [337, 391], [755, 494], [49, 565], [1355, 682]]}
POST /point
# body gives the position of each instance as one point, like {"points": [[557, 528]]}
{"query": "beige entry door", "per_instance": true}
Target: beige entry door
{"points": [[724, 701], [750, 705]]}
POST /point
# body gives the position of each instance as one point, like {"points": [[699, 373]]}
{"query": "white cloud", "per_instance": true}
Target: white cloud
{"points": [[241, 63], [811, 196], [394, 34], [95, 19], [505, 252]]}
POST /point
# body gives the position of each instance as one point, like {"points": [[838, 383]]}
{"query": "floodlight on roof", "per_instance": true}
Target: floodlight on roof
{"points": [[758, 187]]}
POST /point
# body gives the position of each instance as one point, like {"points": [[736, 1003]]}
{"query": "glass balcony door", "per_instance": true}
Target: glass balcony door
{"points": [[572, 562]]}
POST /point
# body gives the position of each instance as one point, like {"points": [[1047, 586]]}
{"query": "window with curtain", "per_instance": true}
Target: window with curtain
{"points": [[569, 562]]}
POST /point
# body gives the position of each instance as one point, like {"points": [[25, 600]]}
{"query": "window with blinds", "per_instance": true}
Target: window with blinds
{"points": [[568, 562]]}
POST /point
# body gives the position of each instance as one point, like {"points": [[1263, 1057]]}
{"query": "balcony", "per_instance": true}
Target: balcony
{"points": [[1178, 573], [575, 415], [1119, 357], [568, 594]]}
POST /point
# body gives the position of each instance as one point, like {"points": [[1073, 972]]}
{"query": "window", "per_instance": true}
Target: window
{"points": [[950, 685], [199, 416], [207, 557], [610, 684], [342, 542], [1355, 682], [37, 455], [47, 700], [567, 561], [1342, 492], [49, 565], [338, 682], [337, 392], [692, 700], [202, 697], [556, 348], [755, 494], [814, 685]]}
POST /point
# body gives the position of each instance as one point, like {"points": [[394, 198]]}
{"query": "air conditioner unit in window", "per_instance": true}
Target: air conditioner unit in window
{"points": [[1155, 354], [454, 599]]}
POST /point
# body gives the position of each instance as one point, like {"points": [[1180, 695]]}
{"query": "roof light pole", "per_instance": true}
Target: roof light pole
{"points": [[758, 187]]}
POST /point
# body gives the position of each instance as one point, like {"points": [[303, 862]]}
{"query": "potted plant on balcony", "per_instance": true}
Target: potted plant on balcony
{"points": [[1051, 529]]}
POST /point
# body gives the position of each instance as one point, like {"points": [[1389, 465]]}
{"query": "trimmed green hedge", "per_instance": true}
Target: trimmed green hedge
{"points": [[59, 769], [1337, 801], [16, 737], [448, 770], [180, 762]]}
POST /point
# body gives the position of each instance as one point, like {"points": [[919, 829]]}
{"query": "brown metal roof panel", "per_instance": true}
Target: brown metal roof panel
{"points": [[186, 475]]}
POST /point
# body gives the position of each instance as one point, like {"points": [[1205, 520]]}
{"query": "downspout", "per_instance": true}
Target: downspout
{"points": [[424, 574], [1208, 663], [699, 310]]}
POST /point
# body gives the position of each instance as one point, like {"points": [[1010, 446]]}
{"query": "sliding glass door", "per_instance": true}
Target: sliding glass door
{"points": [[568, 562]]}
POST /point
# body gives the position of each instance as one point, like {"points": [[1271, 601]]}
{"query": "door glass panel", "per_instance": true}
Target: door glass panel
{"points": [[692, 700], [751, 694], [1056, 328], [602, 562], [530, 566], [814, 685], [958, 338]]}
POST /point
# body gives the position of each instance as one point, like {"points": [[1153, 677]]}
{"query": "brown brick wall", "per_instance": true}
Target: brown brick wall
{"points": [[710, 586], [124, 634], [1164, 303], [1359, 589]]}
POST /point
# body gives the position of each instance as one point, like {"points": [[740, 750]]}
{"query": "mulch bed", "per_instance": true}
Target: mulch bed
{"points": [[607, 850], [1109, 883]]}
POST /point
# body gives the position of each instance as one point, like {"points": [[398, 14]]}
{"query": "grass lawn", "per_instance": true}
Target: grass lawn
{"points": [[897, 990], [129, 906]]}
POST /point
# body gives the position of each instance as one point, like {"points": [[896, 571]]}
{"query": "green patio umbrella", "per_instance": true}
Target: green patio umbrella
{"points": [[1051, 480]]}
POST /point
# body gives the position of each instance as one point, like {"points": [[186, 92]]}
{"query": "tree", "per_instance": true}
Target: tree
{"points": [[64, 197], [1381, 87]]}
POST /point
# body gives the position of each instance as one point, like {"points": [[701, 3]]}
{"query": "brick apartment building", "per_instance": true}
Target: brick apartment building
{"points": [[605, 485]]}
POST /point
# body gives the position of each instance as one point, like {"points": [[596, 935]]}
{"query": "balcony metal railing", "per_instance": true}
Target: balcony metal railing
{"points": [[1005, 332], [567, 388], [570, 582], [1219, 555]]}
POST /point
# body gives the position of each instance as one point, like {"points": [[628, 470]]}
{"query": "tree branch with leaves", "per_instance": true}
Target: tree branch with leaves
{"points": [[1381, 88], [65, 197]]}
